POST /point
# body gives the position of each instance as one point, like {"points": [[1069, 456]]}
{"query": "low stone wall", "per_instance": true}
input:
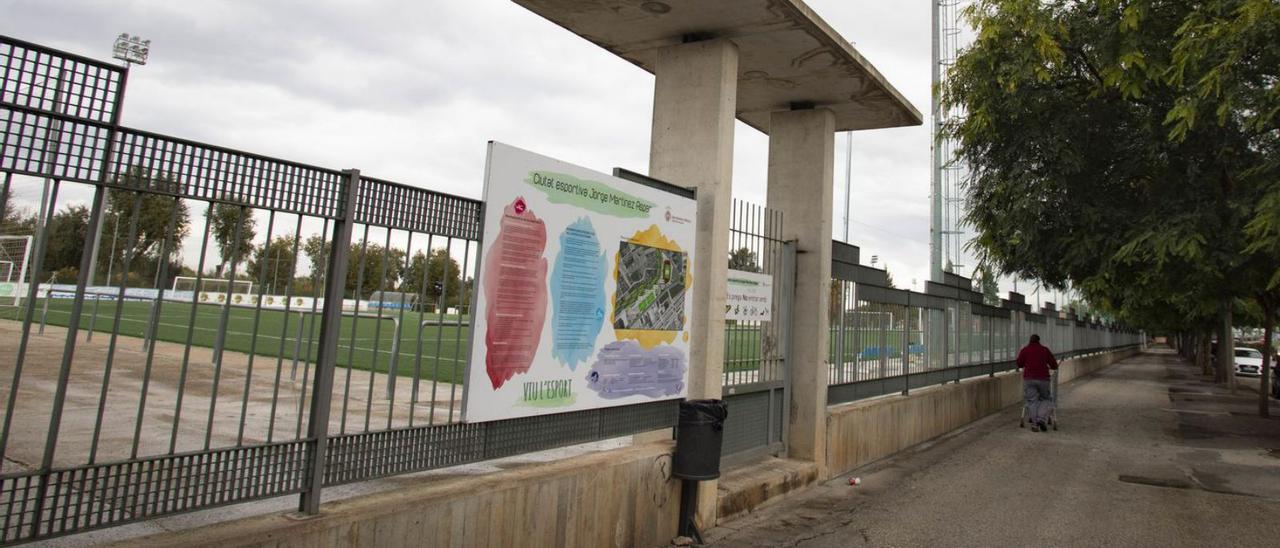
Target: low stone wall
{"points": [[623, 497], [859, 433]]}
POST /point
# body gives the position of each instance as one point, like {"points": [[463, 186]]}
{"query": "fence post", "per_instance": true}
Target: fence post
{"points": [[991, 343], [326, 358], [906, 349], [786, 308]]}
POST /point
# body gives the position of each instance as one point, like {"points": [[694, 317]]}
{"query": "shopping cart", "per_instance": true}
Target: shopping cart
{"points": [[1052, 419]]}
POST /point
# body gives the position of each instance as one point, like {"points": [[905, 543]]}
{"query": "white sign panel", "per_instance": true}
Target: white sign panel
{"points": [[750, 296], [583, 289]]}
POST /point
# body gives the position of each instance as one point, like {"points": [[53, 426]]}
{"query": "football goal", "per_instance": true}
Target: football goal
{"points": [[211, 285], [15, 254]]}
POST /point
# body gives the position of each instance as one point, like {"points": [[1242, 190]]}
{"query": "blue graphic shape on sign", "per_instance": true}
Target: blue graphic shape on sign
{"points": [[577, 294]]}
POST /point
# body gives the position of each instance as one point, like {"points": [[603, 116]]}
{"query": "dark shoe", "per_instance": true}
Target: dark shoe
{"points": [[1043, 427]]}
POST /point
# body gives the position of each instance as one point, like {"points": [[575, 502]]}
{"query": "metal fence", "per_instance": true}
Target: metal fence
{"points": [[281, 367], [189, 399], [889, 341], [756, 354]]}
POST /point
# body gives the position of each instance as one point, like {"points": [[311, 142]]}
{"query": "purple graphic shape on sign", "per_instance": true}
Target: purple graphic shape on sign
{"points": [[623, 368]]}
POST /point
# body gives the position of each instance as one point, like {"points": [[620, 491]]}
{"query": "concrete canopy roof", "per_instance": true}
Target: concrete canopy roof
{"points": [[787, 54]]}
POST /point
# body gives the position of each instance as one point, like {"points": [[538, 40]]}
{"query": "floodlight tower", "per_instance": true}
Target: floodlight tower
{"points": [[947, 188], [133, 50]]}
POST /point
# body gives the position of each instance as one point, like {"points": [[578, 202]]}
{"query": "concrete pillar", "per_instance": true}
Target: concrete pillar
{"points": [[801, 162], [694, 106]]}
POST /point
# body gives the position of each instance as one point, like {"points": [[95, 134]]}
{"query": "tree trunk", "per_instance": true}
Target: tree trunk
{"points": [[1268, 351], [1203, 346], [1226, 353]]}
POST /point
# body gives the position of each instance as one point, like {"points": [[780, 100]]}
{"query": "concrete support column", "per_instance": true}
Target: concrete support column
{"points": [[694, 107], [801, 163]]}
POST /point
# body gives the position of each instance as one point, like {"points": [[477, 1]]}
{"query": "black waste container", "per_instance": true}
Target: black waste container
{"points": [[699, 435]]}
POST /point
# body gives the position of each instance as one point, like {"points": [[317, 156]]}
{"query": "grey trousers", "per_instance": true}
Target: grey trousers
{"points": [[1039, 402]]}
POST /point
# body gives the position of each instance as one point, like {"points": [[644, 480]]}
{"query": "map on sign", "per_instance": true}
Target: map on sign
{"points": [[651, 288]]}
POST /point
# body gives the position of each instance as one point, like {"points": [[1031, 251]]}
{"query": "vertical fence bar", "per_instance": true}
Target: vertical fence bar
{"points": [[326, 360], [32, 291], [153, 323], [115, 324], [905, 350], [257, 318], [64, 372], [787, 311]]}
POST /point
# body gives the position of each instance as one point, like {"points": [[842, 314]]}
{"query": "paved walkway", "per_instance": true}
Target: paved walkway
{"points": [[1150, 454]]}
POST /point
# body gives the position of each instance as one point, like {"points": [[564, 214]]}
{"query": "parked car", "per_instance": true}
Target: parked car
{"points": [[1248, 362]]}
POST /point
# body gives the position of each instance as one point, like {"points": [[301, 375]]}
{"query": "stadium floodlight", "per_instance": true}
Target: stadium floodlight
{"points": [[132, 49]]}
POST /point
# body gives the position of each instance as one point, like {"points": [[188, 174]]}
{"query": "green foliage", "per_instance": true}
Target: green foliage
{"points": [[158, 216], [68, 232], [233, 229], [272, 265], [373, 267], [743, 259], [443, 276], [16, 222], [317, 251], [989, 285], [1128, 148]]}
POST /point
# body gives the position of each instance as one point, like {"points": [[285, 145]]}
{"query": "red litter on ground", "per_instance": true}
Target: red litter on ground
{"points": [[855, 481]]}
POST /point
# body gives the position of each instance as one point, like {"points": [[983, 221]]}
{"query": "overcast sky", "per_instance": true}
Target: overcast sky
{"points": [[411, 90]]}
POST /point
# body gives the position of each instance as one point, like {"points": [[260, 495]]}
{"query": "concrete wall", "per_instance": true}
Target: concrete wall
{"points": [[862, 432], [624, 497]]}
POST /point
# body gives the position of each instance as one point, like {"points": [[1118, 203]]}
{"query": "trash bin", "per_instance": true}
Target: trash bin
{"points": [[699, 434]]}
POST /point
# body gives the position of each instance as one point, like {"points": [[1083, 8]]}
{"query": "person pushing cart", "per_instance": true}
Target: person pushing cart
{"points": [[1037, 364]]}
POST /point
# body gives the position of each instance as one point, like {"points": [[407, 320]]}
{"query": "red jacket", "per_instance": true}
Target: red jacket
{"points": [[1036, 360]]}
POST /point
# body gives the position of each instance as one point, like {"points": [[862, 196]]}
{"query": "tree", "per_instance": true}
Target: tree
{"points": [[233, 228], [16, 222], [988, 285], [888, 278], [373, 267], [441, 270], [317, 250], [273, 264], [1126, 148], [155, 212], [67, 234], [743, 259]]}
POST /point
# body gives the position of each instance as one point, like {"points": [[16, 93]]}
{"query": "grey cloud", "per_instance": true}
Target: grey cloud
{"points": [[411, 91]]}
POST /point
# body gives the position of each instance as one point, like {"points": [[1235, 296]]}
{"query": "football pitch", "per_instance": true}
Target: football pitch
{"points": [[431, 346]]}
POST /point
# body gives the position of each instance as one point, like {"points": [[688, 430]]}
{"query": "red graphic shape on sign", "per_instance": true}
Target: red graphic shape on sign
{"points": [[515, 287]]}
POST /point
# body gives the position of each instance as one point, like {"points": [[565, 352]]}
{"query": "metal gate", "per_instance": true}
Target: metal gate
{"points": [[757, 353], [223, 391]]}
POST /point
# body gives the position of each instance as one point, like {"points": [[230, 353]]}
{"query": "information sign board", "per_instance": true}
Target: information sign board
{"points": [[583, 286]]}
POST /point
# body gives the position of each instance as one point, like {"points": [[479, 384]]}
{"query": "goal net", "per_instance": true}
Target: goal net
{"points": [[211, 285], [15, 254]]}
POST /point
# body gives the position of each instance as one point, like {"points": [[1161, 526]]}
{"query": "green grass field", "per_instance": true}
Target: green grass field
{"points": [[443, 347]]}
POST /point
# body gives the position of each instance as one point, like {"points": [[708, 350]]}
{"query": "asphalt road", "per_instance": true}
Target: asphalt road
{"points": [[1149, 454]]}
